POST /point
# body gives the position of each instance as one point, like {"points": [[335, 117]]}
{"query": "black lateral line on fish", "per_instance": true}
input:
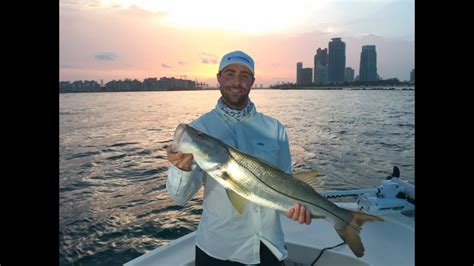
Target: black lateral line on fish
{"points": [[231, 155]]}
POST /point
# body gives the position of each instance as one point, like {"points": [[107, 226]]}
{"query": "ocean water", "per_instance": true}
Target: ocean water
{"points": [[113, 202]]}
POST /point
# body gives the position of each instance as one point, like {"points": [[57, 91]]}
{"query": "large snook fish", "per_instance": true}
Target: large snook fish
{"points": [[247, 178]]}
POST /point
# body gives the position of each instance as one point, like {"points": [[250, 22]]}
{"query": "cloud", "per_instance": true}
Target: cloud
{"points": [[67, 66], [391, 19], [135, 10], [95, 3], [69, 2], [371, 38], [80, 4], [208, 55], [208, 58], [165, 66], [181, 63], [106, 56]]}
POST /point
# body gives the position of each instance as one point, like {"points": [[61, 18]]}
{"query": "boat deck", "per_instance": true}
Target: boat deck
{"points": [[386, 243]]}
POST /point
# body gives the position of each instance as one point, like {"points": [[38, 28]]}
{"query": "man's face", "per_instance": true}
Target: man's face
{"points": [[235, 82]]}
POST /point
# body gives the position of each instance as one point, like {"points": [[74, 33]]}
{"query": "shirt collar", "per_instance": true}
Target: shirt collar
{"points": [[236, 114]]}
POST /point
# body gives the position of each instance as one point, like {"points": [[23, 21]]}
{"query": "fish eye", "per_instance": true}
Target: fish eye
{"points": [[199, 135]]}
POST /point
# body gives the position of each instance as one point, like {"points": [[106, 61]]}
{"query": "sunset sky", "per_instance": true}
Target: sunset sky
{"points": [[118, 39]]}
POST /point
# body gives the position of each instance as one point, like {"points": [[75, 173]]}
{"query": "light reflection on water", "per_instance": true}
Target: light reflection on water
{"points": [[113, 201]]}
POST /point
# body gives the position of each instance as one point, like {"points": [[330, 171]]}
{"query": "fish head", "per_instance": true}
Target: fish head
{"points": [[205, 149]]}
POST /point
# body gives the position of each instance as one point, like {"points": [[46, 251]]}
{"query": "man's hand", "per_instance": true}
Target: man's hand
{"points": [[299, 213], [181, 160]]}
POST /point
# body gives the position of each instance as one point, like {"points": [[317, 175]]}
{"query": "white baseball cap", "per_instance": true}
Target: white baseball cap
{"points": [[237, 57]]}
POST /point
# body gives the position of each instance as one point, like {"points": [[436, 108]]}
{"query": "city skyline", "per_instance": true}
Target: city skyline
{"points": [[115, 40]]}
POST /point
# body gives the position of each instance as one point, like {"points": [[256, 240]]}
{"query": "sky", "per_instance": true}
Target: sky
{"points": [[118, 39]]}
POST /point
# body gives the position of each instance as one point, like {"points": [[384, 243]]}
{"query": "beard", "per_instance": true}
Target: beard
{"points": [[235, 97]]}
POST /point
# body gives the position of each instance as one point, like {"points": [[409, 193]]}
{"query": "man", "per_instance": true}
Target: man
{"points": [[224, 237]]}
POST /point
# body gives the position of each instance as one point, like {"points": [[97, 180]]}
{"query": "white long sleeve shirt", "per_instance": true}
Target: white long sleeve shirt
{"points": [[222, 232]]}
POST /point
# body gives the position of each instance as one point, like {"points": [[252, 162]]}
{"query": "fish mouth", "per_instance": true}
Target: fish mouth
{"points": [[178, 133]]}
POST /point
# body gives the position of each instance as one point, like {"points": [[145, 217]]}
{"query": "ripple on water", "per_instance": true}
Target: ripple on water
{"points": [[113, 200]]}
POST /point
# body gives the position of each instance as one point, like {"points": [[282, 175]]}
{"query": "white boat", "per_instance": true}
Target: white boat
{"points": [[390, 242]]}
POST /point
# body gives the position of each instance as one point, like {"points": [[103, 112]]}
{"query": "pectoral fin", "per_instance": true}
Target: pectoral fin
{"points": [[237, 201]]}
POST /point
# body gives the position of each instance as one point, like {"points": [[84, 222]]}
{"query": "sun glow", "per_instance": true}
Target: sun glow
{"points": [[248, 16]]}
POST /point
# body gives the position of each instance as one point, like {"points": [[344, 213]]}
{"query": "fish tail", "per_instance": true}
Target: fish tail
{"points": [[349, 231]]}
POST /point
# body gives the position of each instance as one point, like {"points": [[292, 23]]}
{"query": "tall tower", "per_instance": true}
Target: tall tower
{"points": [[306, 76], [299, 66], [321, 66], [368, 63], [349, 76], [337, 60]]}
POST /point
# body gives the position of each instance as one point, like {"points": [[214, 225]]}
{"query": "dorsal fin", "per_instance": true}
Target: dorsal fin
{"points": [[308, 178]]}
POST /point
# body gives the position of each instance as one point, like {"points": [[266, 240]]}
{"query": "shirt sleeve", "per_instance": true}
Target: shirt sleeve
{"points": [[183, 185], [284, 156]]}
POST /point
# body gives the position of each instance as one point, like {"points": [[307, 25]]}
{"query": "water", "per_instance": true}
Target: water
{"points": [[113, 202]]}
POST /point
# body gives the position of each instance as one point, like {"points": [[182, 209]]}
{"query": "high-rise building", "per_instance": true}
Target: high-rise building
{"points": [[368, 63], [321, 66], [306, 76], [412, 76], [299, 66], [337, 60], [349, 74]]}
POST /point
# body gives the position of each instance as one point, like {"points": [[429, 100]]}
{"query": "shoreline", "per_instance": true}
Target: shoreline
{"points": [[387, 88]]}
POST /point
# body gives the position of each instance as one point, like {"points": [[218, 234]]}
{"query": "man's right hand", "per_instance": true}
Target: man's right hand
{"points": [[181, 160]]}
